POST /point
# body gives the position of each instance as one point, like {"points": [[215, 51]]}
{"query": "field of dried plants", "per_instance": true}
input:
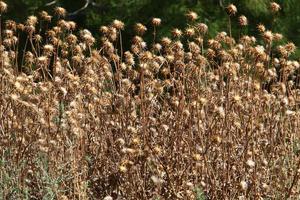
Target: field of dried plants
{"points": [[185, 117]]}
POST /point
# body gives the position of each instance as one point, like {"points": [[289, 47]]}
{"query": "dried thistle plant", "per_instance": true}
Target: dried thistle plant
{"points": [[214, 117]]}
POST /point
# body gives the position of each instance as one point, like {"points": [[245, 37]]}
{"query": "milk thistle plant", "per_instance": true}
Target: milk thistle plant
{"points": [[184, 117]]}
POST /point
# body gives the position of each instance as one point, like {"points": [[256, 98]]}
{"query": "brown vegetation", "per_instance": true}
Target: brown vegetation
{"points": [[171, 119]]}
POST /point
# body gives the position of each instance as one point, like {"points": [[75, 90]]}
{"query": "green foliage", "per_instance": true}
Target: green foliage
{"points": [[12, 188], [199, 194]]}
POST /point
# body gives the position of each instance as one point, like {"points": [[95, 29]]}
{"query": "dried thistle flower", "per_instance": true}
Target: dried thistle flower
{"points": [[42, 60], [10, 24], [190, 32], [250, 163], [45, 16], [122, 169], [176, 33], [8, 33], [156, 180], [202, 28], [72, 39], [31, 21], [274, 7], [29, 29], [120, 141], [119, 25], [192, 16], [48, 48], [261, 28], [166, 41], [231, 9], [243, 21], [277, 36], [37, 38], [29, 57], [156, 21], [268, 36], [140, 29], [290, 47], [3, 7], [108, 198], [60, 12], [244, 185], [157, 47], [71, 25], [104, 29], [87, 37]]}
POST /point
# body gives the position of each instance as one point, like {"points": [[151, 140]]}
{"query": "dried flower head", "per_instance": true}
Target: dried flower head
{"points": [[261, 28], [190, 31], [72, 39], [156, 21], [122, 169], [231, 9], [37, 38], [10, 24], [250, 163], [108, 198], [244, 185], [176, 33], [29, 57], [3, 7], [63, 25], [31, 21], [104, 29], [60, 12], [118, 24], [192, 16], [202, 28], [29, 29], [42, 60], [275, 7], [71, 25], [243, 21], [48, 48], [277, 36], [157, 47], [268, 36], [166, 41], [290, 47], [8, 33], [45, 16], [140, 29]]}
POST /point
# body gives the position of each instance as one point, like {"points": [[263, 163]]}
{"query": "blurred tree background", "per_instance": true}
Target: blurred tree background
{"points": [[211, 12]]}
